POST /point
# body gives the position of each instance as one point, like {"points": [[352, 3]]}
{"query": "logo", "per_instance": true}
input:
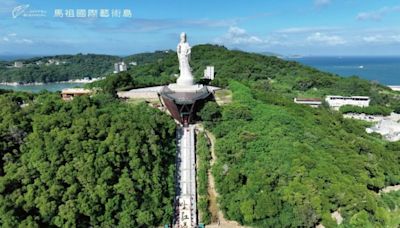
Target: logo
{"points": [[19, 10]]}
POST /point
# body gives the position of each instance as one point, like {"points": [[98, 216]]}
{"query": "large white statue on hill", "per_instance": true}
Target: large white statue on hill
{"points": [[183, 50]]}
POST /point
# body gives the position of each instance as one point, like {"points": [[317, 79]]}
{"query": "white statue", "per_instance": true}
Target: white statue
{"points": [[183, 50]]}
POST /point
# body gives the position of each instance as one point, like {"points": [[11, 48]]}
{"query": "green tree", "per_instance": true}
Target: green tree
{"points": [[85, 163], [210, 112]]}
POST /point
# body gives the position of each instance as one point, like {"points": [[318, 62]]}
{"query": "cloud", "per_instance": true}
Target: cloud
{"points": [[24, 41], [299, 30], [382, 39], [6, 6], [13, 38], [322, 38], [373, 39], [147, 25], [321, 3], [377, 15], [288, 38], [151, 25], [238, 36]]}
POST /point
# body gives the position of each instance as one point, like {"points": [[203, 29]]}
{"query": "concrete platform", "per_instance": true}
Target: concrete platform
{"points": [[152, 92], [142, 93], [185, 89]]}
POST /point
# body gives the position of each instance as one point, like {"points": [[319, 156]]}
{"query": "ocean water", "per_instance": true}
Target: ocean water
{"points": [[53, 87], [385, 70]]}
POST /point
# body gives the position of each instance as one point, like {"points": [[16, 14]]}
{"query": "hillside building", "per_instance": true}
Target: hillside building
{"points": [[70, 93], [313, 102], [120, 67], [209, 73], [335, 102], [18, 64]]}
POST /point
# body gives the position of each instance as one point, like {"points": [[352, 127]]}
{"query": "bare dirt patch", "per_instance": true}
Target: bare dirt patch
{"points": [[223, 96]]}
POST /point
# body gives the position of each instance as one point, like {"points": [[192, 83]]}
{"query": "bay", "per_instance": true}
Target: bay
{"points": [[385, 70]]}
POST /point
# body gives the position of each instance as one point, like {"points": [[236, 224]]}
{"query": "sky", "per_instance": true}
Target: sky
{"points": [[123, 27]]}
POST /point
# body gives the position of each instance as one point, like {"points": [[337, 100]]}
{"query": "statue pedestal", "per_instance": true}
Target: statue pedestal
{"points": [[185, 88], [185, 80]]}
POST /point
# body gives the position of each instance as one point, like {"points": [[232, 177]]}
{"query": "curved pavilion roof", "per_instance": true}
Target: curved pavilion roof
{"points": [[185, 97]]}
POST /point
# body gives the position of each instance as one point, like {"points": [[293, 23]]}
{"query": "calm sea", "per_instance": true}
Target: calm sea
{"points": [[385, 70]]}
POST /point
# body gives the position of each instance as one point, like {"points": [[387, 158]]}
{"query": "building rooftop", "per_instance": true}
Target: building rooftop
{"points": [[308, 99], [185, 97], [76, 91], [348, 97]]}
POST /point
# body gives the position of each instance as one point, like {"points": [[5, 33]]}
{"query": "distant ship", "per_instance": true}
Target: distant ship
{"points": [[361, 67]]}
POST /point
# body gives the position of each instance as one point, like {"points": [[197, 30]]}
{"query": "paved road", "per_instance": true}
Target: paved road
{"points": [[185, 202]]}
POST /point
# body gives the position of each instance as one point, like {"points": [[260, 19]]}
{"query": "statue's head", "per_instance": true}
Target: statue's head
{"points": [[183, 37]]}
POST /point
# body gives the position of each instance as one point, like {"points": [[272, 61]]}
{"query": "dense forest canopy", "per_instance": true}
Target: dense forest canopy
{"points": [[92, 162], [285, 165]]}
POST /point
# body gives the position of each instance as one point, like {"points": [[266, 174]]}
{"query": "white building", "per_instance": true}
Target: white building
{"points": [[133, 63], [335, 102], [54, 62], [313, 102], [69, 93], [18, 64], [209, 73], [120, 67]]}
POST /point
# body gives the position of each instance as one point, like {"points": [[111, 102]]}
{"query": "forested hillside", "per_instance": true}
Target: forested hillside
{"points": [[157, 68], [149, 57], [285, 165], [97, 162], [92, 162], [58, 68], [287, 78], [67, 67]]}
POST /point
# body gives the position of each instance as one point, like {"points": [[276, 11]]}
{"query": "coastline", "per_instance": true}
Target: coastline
{"points": [[83, 81], [394, 87]]}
